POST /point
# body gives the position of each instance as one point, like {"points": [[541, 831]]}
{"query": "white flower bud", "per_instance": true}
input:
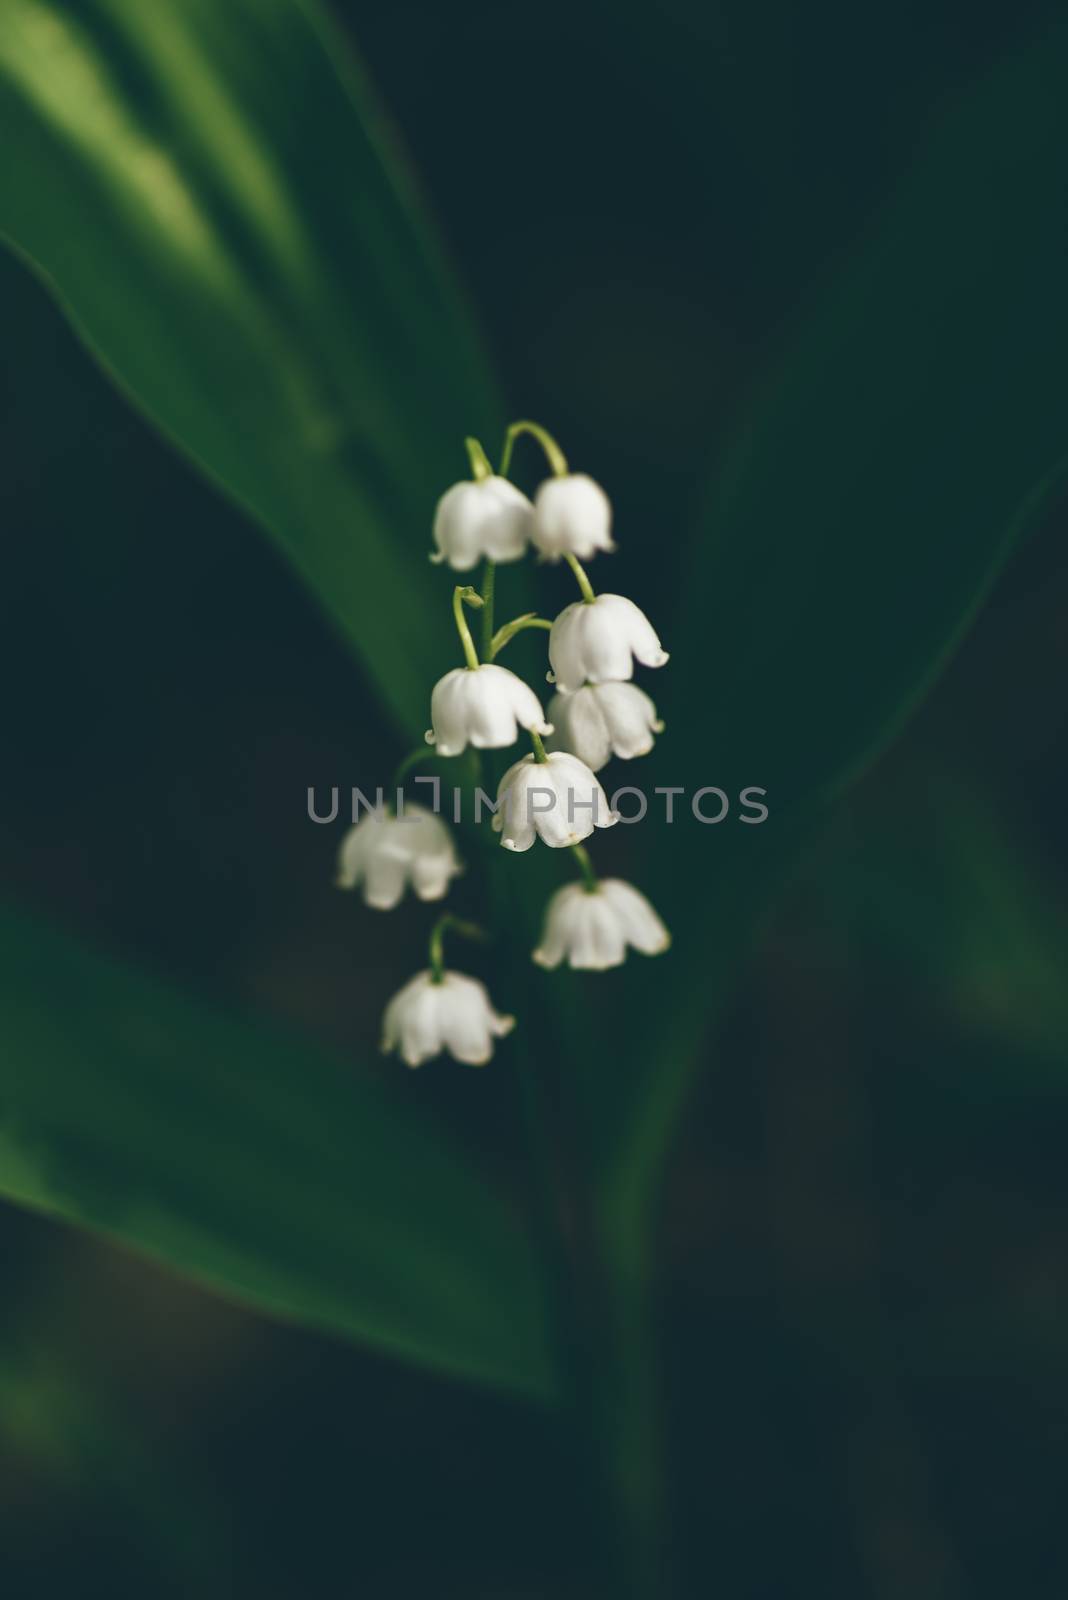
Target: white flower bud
{"points": [[558, 800], [489, 519], [483, 706], [453, 1014], [595, 641], [602, 720], [592, 927], [572, 516], [387, 854]]}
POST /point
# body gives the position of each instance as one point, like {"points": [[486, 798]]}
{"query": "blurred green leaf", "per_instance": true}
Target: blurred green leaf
{"points": [[264, 1168], [958, 906], [857, 523], [211, 193]]}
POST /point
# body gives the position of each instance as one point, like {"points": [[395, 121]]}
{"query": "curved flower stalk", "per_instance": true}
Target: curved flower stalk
{"points": [[481, 704]]}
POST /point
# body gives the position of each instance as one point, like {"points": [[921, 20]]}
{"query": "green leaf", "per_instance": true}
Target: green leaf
{"points": [[210, 192], [957, 908], [261, 1167], [858, 521]]}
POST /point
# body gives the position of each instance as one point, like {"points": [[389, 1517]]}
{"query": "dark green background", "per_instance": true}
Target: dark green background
{"points": [[864, 1299]]}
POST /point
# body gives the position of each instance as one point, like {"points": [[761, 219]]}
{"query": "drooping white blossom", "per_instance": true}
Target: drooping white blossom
{"points": [[387, 854], [481, 519], [591, 926], [558, 800], [482, 706], [604, 719], [598, 641], [450, 1013], [572, 516]]}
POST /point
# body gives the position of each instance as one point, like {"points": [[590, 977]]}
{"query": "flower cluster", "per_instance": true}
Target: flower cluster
{"points": [[552, 793]]}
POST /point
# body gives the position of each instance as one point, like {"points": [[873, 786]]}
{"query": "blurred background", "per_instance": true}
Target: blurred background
{"points": [[864, 1305]]}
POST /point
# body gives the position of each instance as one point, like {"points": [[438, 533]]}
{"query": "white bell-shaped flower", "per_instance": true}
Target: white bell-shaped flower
{"points": [[451, 1013], [483, 706], [387, 854], [572, 516], [489, 519], [558, 800], [591, 926], [598, 641], [603, 720]]}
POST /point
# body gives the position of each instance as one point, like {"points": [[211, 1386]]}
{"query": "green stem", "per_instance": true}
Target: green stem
{"points": [[580, 577], [445, 924], [498, 641], [602, 1337], [539, 748], [630, 1423], [589, 877], [411, 760], [489, 574], [555, 456], [480, 467], [462, 593], [569, 1329], [562, 1229]]}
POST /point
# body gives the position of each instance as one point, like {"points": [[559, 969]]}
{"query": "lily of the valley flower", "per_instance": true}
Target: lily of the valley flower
{"points": [[386, 854], [598, 641], [440, 1012], [603, 720], [489, 519], [483, 706], [572, 516], [591, 927], [558, 800]]}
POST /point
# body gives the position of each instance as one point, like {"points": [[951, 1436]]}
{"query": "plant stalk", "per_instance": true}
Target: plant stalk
{"points": [[489, 576]]}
